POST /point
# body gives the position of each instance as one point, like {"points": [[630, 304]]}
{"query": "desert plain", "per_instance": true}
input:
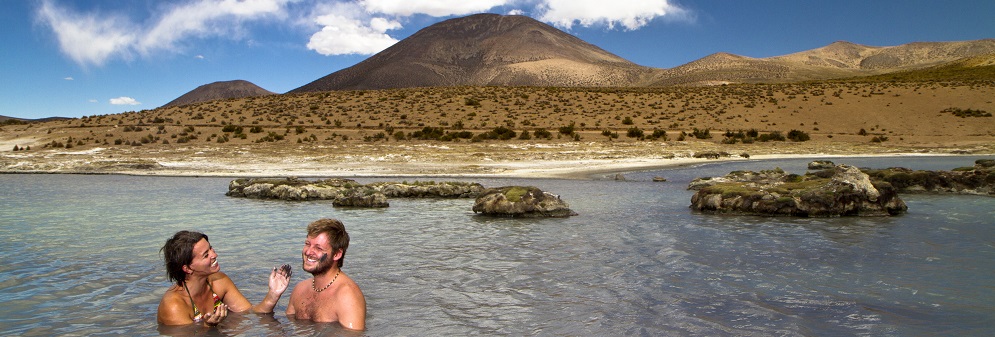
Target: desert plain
{"points": [[578, 133]]}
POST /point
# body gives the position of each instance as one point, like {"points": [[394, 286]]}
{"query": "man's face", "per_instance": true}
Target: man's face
{"points": [[317, 254]]}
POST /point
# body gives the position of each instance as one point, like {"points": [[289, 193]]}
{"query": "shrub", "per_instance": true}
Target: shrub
{"points": [[964, 113], [232, 128], [773, 136], [428, 133], [701, 134], [542, 133], [658, 135], [500, 133], [567, 130], [798, 136], [634, 132]]}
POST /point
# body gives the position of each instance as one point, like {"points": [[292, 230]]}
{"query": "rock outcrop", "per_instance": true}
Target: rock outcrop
{"points": [[347, 192], [362, 197], [520, 201], [428, 189], [841, 191], [976, 180], [821, 165]]}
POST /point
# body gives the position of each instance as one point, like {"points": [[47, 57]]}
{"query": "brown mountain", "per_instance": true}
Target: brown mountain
{"points": [[220, 90], [486, 50], [838, 60]]}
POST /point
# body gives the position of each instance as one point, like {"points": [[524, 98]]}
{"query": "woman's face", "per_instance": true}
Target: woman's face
{"points": [[205, 260]]}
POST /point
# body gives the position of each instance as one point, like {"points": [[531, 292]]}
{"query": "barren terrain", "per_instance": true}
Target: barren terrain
{"points": [[396, 132]]}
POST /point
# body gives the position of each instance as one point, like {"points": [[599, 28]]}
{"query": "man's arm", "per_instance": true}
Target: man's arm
{"points": [[352, 308]]}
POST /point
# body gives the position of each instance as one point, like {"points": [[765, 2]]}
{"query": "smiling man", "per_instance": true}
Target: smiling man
{"points": [[331, 295]]}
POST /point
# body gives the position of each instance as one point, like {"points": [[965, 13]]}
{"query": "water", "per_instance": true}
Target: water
{"points": [[80, 257]]}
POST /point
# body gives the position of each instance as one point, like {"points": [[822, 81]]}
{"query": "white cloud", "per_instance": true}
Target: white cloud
{"points": [[437, 8], [92, 101], [341, 35], [631, 14], [70, 78], [337, 27], [87, 38], [205, 18], [199, 57], [93, 38], [124, 100]]}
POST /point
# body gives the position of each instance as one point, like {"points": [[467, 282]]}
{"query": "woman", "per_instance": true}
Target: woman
{"points": [[202, 293]]}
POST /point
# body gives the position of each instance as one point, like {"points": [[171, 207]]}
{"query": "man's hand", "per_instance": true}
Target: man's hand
{"points": [[279, 279]]}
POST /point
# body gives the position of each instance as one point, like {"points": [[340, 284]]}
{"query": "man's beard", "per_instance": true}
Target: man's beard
{"points": [[324, 264]]}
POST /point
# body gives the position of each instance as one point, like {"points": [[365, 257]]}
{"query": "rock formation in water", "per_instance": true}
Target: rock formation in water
{"points": [[520, 201], [976, 180], [347, 192], [842, 191], [821, 165]]}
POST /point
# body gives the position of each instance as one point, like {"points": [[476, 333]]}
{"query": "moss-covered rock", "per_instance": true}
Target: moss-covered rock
{"points": [[821, 165], [847, 192], [361, 197], [976, 180], [450, 189], [520, 201], [347, 192]]}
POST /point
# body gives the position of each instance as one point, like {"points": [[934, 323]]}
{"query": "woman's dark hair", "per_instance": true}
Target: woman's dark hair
{"points": [[178, 252]]}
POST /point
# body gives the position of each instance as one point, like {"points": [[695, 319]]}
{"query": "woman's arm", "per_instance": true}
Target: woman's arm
{"points": [[237, 302], [279, 279]]}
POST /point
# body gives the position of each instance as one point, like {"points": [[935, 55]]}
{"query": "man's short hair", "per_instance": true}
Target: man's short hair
{"points": [[337, 236]]}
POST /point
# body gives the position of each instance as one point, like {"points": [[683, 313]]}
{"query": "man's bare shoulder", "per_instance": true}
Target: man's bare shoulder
{"points": [[300, 287]]}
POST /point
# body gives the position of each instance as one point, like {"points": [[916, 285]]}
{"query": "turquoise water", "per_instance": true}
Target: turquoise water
{"points": [[80, 257]]}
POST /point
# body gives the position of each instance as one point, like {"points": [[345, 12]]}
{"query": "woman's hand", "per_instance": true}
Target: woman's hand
{"points": [[215, 318]]}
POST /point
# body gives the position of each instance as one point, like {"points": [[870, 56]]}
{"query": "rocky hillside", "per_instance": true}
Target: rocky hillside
{"points": [[838, 60], [486, 50], [220, 90]]}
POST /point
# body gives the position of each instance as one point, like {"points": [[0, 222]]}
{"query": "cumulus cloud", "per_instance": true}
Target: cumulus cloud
{"points": [[87, 38], [93, 38], [124, 100], [342, 35], [631, 14], [335, 27], [437, 8], [361, 27]]}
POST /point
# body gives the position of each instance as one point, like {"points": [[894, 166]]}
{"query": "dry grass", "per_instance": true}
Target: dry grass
{"points": [[354, 131]]}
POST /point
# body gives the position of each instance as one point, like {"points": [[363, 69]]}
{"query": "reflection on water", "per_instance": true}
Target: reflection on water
{"points": [[80, 257]]}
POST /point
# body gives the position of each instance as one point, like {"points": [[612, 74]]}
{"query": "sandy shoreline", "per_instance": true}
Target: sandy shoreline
{"points": [[559, 160]]}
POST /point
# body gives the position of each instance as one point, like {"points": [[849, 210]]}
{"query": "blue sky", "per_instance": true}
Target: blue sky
{"points": [[76, 58]]}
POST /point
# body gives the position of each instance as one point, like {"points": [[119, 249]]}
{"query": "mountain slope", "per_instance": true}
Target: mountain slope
{"points": [[485, 50], [219, 90], [837, 60]]}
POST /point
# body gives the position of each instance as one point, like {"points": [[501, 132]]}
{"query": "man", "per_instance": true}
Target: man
{"points": [[329, 296]]}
